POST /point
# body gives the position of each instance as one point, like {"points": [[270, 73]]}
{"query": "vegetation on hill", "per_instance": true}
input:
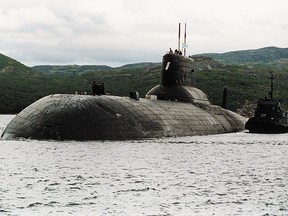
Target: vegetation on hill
{"points": [[21, 85], [69, 70], [256, 56], [11, 66]]}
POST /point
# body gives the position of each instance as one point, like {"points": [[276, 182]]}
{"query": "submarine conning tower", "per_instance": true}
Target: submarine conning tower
{"points": [[178, 81], [177, 70]]}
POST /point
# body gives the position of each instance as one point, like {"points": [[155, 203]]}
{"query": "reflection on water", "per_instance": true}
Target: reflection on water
{"points": [[231, 174]]}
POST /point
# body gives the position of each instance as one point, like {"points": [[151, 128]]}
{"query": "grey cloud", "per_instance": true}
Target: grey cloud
{"points": [[120, 32]]}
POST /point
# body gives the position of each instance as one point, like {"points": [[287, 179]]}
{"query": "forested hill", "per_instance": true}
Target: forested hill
{"points": [[70, 69], [263, 55], [73, 70], [247, 79], [9, 65]]}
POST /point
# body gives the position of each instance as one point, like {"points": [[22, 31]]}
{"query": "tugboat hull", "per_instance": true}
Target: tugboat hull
{"points": [[255, 125]]}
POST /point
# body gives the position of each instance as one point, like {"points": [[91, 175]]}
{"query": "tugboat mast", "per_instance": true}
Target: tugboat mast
{"points": [[271, 87]]}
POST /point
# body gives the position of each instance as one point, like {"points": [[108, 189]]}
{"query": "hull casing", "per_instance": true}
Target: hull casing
{"points": [[261, 125]]}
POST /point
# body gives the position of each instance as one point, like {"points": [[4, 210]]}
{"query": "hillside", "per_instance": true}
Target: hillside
{"points": [[75, 70], [9, 65], [21, 85], [270, 57], [257, 56], [68, 70]]}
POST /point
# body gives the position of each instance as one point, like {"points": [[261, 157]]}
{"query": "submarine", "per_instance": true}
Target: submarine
{"points": [[173, 108]]}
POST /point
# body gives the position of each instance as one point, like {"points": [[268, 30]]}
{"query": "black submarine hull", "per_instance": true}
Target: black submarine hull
{"points": [[87, 117]]}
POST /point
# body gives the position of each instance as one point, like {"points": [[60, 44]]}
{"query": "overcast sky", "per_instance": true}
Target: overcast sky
{"points": [[118, 32]]}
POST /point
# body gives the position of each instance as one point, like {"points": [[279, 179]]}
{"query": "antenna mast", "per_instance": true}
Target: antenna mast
{"points": [[179, 37], [185, 41]]}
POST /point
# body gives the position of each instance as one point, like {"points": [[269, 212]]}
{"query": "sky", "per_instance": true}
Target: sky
{"points": [[119, 32]]}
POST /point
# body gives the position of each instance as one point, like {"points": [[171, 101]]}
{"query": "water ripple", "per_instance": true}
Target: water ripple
{"points": [[230, 174]]}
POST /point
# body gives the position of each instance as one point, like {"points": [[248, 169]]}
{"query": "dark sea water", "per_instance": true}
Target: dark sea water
{"points": [[229, 174]]}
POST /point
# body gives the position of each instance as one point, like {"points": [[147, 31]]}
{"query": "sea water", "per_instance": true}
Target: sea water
{"points": [[228, 174]]}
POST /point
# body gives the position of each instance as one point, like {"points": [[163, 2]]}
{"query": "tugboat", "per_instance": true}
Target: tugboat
{"points": [[269, 117]]}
